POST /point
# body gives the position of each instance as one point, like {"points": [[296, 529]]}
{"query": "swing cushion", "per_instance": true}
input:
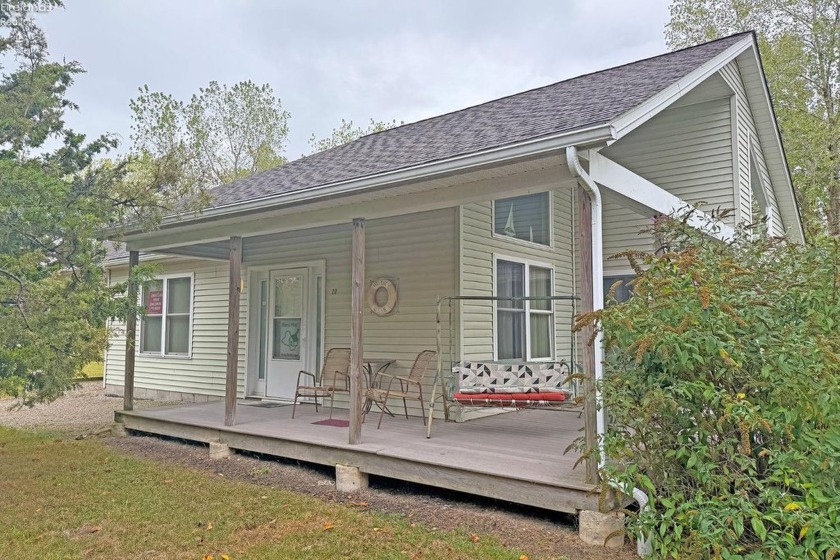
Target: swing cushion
{"points": [[513, 379], [511, 399]]}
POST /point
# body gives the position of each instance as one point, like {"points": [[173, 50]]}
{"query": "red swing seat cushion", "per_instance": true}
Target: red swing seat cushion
{"points": [[510, 399]]}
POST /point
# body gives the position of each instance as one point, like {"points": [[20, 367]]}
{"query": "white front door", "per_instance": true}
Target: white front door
{"points": [[288, 349]]}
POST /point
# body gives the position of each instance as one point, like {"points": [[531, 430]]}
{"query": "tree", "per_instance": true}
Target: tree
{"points": [[54, 202], [223, 133], [346, 133], [800, 46], [723, 393]]}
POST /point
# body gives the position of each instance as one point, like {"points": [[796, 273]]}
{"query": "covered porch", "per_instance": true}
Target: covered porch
{"points": [[350, 241]]}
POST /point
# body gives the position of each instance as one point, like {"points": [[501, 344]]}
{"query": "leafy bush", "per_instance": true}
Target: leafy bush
{"points": [[723, 394]]}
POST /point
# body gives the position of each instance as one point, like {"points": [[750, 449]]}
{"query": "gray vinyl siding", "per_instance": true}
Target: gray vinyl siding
{"points": [[419, 250], [623, 230], [686, 150], [204, 371], [478, 247], [747, 137]]}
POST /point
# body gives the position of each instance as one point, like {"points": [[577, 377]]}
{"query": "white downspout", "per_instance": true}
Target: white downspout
{"points": [[643, 547], [597, 288]]}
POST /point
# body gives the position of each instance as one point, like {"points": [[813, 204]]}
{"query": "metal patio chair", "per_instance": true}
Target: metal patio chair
{"points": [[334, 379], [410, 386]]}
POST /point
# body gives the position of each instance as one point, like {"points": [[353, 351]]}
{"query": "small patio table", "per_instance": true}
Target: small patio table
{"points": [[374, 367]]}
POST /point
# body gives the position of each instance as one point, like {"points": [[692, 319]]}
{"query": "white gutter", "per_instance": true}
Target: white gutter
{"points": [[527, 148], [643, 546]]}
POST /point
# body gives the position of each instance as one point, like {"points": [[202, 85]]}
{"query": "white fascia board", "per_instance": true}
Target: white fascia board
{"points": [[783, 174], [657, 200], [636, 117], [529, 148]]}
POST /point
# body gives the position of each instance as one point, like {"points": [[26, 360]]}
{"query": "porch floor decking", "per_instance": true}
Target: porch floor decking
{"points": [[517, 456]]}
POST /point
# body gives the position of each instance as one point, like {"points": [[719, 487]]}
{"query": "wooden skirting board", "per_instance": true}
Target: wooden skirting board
{"points": [[471, 473]]}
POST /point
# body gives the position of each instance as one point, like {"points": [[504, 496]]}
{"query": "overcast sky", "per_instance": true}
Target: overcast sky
{"points": [[328, 60]]}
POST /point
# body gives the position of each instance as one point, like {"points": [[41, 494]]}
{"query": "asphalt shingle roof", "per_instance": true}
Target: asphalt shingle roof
{"points": [[576, 103]]}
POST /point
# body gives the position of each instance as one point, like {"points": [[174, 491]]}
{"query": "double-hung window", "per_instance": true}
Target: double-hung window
{"points": [[524, 328], [166, 324]]}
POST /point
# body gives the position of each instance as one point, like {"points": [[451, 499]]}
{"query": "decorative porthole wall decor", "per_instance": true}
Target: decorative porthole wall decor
{"points": [[382, 296]]}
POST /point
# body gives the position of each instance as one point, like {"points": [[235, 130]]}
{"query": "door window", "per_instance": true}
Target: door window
{"points": [[288, 315], [263, 328]]}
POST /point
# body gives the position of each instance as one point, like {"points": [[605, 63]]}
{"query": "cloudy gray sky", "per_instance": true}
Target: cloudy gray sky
{"points": [[328, 60]]}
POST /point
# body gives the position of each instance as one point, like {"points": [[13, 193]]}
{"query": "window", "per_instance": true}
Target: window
{"points": [[761, 209], [524, 217], [165, 327], [524, 329], [622, 291]]}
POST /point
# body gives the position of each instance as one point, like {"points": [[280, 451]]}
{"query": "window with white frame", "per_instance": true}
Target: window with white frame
{"points": [[165, 326], [524, 328], [524, 217]]}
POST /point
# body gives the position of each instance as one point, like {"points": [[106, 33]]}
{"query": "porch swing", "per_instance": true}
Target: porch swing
{"points": [[504, 384]]}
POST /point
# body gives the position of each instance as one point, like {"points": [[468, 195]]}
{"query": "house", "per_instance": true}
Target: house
{"points": [[352, 247]]}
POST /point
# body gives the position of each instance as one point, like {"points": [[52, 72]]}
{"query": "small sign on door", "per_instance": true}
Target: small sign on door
{"points": [[287, 338]]}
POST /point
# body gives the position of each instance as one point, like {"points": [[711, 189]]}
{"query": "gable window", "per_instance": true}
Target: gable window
{"points": [[524, 217], [761, 209], [165, 326], [524, 329]]}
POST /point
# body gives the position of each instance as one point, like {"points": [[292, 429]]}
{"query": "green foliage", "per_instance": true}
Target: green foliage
{"points": [[220, 135], [346, 133], [54, 302], [723, 395], [800, 46]]}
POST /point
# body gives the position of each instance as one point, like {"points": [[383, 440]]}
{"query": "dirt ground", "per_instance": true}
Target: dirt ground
{"points": [[87, 413]]}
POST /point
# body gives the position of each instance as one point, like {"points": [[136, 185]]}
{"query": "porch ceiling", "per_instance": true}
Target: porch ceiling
{"points": [[209, 240]]}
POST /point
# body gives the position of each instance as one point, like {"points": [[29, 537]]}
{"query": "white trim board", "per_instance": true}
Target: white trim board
{"points": [[636, 117]]}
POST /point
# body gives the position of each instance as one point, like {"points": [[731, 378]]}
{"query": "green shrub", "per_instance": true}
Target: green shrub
{"points": [[723, 395]]}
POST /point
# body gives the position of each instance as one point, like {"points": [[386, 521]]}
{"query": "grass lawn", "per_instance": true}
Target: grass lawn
{"points": [[81, 499], [93, 369]]}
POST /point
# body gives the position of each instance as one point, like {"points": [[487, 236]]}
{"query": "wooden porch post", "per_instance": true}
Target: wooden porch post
{"points": [[130, 335], [357, 298], [587, 306], [234, 291]]}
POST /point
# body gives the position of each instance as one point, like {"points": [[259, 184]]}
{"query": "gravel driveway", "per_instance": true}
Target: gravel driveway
{"points": [[83, 410]]}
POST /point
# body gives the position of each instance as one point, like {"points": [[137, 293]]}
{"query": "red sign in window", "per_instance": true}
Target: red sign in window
{"points": [[155, 304]]}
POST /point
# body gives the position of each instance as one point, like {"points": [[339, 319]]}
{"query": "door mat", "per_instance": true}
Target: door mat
{"points": [[333, 422], [265, 404]]}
